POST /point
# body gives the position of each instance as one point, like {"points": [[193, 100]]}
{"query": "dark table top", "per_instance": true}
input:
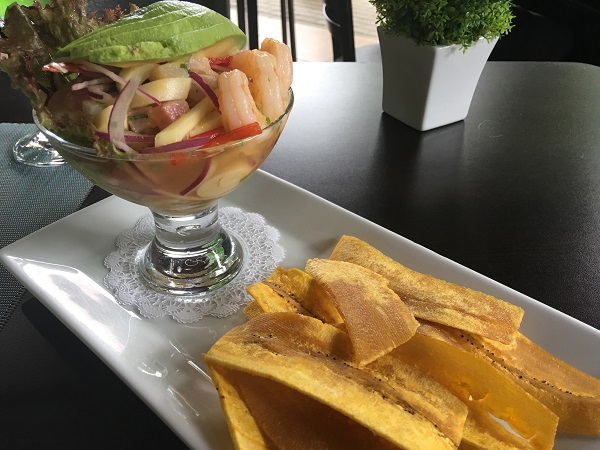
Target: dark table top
{"points": [[512, 192]]}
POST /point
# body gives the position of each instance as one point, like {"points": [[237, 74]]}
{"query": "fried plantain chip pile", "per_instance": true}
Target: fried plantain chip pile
{"points": [[357, 351]]}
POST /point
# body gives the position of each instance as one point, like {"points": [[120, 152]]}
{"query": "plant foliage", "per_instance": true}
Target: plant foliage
{"points": [[445, 22]]}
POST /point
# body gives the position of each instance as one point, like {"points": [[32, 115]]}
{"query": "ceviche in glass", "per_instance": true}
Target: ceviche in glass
{"points": [[163, 106]]}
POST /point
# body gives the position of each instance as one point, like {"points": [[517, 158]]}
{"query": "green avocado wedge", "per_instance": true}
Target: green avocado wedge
{"points": [[158, 32]]}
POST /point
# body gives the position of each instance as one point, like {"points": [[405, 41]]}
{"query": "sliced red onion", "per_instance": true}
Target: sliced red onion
{"points": [[189, 144], [98, 93], [151, 97], [95, 94], [113, 76], [205, 87], [133, 138], [139, 172], [92, 67], [199, 179], [118, 115], [88, 83]]}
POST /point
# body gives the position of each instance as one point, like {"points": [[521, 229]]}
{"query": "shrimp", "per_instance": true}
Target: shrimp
{"points": [[283, 55], [236, 103], [264, 82]]}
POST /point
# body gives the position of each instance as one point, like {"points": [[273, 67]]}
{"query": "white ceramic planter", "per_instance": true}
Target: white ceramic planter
{"points": [[428, 86]]}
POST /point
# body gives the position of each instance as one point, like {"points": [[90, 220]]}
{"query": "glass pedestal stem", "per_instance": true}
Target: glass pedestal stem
{"points": [[190, 254]]}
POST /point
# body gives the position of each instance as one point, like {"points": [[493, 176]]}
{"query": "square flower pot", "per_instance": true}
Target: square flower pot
{"points": [[427, 86]]}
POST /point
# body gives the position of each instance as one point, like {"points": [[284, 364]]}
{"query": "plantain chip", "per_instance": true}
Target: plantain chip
{"points": [[480, 385], [271, 300], [572, 395], [253, 309], [436, 300], [287, 419], [375, 318], [428, 397], [482, 432], [313, 358], [243, 428], [333, 357], [295, 290]]}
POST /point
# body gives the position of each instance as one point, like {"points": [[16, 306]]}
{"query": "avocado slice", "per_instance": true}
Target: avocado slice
{"points": [[158, 32]]}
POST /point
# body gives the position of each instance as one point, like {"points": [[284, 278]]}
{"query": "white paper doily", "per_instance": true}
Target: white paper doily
{"points": [[262, 253]]}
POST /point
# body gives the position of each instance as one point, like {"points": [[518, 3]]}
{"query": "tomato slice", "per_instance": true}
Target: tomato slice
{"points": [[219, 137], [243, 132], [176, 158], [220, 60], [212, 133]]}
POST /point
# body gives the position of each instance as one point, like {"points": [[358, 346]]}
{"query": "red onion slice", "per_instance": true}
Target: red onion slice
{"points": [[113, 76], [88, 83], [138, 171], [92, 67], [194, 184], [205, 87], [98, 93], [134, 138], [118, 115], [151, 97], [95, 94]]}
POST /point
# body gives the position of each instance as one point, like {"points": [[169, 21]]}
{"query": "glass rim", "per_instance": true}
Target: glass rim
{"points": [[200, 152]]}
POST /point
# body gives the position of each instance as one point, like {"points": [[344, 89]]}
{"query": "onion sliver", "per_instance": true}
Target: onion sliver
{"points": [[92, 67], [151, 97], [97, 92], [188, 144], [139, 138], [118, 115], [113, 76], [205, 87], [88, 83], [199, 179]]}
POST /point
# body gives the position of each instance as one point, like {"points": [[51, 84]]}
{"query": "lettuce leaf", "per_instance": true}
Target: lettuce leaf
{"points": [[32, 36]]}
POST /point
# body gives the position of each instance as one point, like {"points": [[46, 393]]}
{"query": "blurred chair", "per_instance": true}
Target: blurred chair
{"points": [[552, 30], [288, 28], [338, 14], [247, 11], [534, 37]]}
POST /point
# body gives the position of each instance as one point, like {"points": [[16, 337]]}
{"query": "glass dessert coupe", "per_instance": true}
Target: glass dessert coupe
{"points": [[34, 149], [190, 253]]}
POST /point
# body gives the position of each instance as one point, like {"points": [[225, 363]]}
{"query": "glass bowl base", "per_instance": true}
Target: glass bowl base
{"points": [[191, 271]]}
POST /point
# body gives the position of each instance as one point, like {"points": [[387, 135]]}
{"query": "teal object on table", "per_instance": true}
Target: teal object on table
{"points": [[30, 198]]}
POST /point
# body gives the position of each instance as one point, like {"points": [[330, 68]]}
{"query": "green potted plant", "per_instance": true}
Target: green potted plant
{"points": [[433, 53]]}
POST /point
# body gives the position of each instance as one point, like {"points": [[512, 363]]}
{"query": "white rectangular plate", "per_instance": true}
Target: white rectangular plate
{"points": [[161, 360]]}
